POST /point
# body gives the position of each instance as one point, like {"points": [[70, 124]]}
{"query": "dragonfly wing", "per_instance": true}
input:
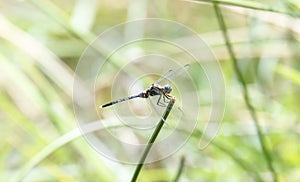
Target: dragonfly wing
{"points": [[172, 74]]}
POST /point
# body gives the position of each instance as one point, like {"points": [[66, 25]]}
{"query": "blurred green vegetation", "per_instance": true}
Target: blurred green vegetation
{"points": [[42, 41]]}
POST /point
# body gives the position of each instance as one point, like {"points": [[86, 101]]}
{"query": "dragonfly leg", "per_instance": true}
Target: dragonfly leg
{"points": [[166, 101], [159, 102]]}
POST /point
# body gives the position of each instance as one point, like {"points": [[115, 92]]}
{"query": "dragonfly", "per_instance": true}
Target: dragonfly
{"points": [[163, 91]]}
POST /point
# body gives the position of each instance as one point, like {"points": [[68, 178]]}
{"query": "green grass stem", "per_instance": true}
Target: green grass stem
{"points": [[250, 107], [152, 139], [180, 168]]}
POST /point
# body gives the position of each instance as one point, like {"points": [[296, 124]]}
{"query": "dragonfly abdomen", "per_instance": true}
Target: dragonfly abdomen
{"points": [[121, 100]]}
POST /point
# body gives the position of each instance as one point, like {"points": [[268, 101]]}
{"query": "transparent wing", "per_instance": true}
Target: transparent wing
{"points": [[172, 74]]}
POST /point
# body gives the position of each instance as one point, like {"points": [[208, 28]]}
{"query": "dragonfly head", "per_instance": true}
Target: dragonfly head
{"points": [[167, 88]]}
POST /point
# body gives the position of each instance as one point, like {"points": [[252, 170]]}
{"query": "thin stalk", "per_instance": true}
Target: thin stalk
{"points": [[180, 168], [251, 109], [152, 139]]}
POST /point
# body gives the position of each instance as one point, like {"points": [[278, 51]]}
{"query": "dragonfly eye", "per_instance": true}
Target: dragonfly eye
{"points": [[167, 88]]}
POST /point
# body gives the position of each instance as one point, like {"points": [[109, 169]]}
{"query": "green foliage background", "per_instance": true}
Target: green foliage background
{"points": [[42, 41]]}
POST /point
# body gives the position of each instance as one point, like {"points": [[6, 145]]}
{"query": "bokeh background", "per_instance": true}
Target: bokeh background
{"points": [[41, 44]]}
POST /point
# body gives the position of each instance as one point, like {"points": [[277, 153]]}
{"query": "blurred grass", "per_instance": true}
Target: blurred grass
{"points": [[262, 138], [41, 42], [289, 73]]}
